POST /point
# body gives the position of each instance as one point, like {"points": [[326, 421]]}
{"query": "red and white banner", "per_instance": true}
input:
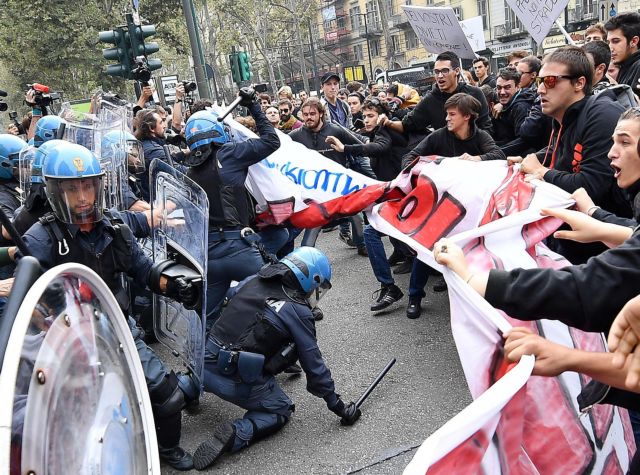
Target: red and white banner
{"points": [[517, 423]]}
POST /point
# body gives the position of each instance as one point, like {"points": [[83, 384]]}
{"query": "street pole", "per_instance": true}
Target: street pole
{"points": [[313, 59], [366, 34], [196, 53], [303, 62]]}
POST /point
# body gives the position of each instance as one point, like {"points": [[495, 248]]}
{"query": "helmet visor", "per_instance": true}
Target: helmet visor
{"points": [[76, 201], [25, 173], [317, 293]]}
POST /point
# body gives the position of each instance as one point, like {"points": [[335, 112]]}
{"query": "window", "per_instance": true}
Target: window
{"points": [[358, 53], [395, 43], [374, 46], [410, 39], [458, 12], [407, 2], [354, 14], [511, 20], [373, 15], [482, 11]]}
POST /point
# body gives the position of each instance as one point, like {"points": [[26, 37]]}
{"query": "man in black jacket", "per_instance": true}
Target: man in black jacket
{"points": [[623, 36], [581, 138], [481, 68], [512, 110], [429, 113], [460, 138]]}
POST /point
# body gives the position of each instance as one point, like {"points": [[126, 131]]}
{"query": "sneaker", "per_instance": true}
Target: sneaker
{"points": [[404, 268], [387, 295], [177, 458], [440, 285], [414, 309], [362, 251], [210, 450], [347, 239], [396, 258], [318, 314]]}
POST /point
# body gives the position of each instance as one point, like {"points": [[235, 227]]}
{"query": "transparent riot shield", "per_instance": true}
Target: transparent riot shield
{"points": [[25, 160], [181, 235], [95, 130], [74, 396]]}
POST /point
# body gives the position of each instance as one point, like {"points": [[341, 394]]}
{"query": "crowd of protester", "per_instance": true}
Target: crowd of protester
{"points": [[570, 118]]}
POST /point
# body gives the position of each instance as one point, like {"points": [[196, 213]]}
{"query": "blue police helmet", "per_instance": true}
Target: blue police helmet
{"points": [[10, 147], [310, 266], [203, 128], [39, 156], [48, 128], [112, 142], [74, 183]]}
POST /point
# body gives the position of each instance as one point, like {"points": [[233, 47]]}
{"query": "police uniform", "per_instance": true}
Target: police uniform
{"points": [[233, 254], [110, 249], [276, 320]]}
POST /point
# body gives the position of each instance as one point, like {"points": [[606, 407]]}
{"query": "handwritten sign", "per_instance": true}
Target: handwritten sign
{"points": [[538, 16], [439, 30], [473, 30]]}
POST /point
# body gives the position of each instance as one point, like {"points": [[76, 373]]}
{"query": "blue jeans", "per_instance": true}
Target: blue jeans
{"points": [[274, 238], [268, 407], [419, 277], [231, 259], [377, 255]]}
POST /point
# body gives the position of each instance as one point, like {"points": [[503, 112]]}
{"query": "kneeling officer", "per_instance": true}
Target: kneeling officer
{"points": [[266, 327]]}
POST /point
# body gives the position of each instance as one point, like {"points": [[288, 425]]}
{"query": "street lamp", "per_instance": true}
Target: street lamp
{"points": [[366, 35]]}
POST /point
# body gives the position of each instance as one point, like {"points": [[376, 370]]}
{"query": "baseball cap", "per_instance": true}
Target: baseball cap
{"points": [[327, 76]]}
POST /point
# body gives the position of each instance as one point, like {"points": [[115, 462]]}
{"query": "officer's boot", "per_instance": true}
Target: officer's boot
{"points": [[211, 450], [167, 401]]}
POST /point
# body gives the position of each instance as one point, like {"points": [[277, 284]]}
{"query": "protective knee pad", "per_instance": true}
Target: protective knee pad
{"points": [[167, 399], [267, 431]]}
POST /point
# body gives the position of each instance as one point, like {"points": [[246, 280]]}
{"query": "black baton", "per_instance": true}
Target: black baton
{"points": [[373, 385], [13, 232], [229, 110]]}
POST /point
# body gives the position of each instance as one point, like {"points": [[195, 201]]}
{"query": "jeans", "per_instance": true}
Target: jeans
{"points": [[231, 259], [274, 238], [377, 255], [419, 277]]}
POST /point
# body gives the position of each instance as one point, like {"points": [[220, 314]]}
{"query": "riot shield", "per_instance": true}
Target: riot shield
{"points": [[74, 396], [25, 160], [91, 130], [181, 236]]}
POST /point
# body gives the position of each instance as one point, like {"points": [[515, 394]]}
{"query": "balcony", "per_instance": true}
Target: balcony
{"points": [[580, 13], [506, 30], [400, 20], [370, 31]]}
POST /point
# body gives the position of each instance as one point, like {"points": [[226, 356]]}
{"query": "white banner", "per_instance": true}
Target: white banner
{"points": [[537, 16], [439, 30], [474, 31]]}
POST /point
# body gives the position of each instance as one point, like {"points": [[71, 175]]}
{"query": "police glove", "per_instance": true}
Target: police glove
{"points": [[248, 96], [184, 291], [348, 413]]}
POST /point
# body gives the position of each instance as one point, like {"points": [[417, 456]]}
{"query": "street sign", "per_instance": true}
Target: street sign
{"points": [[354, 73], [607, 9]]}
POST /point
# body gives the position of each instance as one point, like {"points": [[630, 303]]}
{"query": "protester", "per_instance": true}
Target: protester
{"points": [[623, 35], [483, 73]]}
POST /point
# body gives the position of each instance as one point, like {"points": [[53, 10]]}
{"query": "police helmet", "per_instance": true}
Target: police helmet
{"points": [[123, 146], [203, 128], [74, 183], [48, 128], [311, 267], [39, 156], [10, 147]]}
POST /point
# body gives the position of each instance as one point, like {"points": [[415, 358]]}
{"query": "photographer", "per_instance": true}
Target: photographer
{"points": [[150, 130]]}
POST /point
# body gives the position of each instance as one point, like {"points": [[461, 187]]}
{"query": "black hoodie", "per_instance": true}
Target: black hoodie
{"points": [[630, 72], [506, 127]]}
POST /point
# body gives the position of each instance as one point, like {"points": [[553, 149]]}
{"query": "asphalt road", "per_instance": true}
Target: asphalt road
{"points": [[423, 390]]}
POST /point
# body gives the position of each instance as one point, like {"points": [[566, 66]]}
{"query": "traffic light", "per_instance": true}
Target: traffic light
{"points": [[235, 67], [137, 35], [120, 52], [245, 66]]}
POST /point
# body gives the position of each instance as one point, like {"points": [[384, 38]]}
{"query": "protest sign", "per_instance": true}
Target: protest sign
{"points": [[473, 31], [537, 16], [439, 30]]}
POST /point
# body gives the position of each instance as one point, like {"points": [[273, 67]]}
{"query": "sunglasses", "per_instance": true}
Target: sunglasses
{"points": [[551, 81]]}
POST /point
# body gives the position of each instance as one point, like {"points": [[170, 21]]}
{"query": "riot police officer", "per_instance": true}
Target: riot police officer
{"points": [[79, 230], [10, 147], [50, 127], [220, 167], [265, 328]]}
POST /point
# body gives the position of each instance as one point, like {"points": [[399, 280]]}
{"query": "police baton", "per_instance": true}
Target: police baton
{"points": [[229, 109], [13, 232], [373, 385]]}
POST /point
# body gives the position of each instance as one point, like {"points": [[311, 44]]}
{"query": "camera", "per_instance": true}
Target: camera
{"points": [[13, 116], [43, 98], [141, 72], [189, 86], [260, 88]]}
